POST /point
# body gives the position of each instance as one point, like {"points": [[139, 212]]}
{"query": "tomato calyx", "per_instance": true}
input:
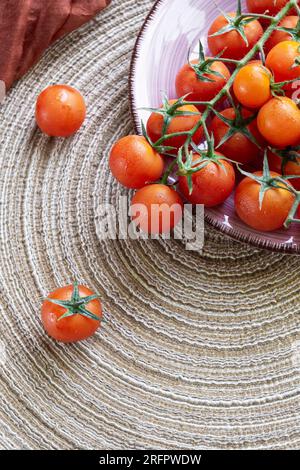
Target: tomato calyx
{"points": [[291, 154], [277, 88], [238, 22], [187, 166], [168, 111], [237, 125], [293, 32], [203, 68], [76, 305], [266, 181]]}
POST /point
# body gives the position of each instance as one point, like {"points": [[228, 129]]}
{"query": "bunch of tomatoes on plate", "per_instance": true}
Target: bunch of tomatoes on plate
{"points": [[234, 127]]}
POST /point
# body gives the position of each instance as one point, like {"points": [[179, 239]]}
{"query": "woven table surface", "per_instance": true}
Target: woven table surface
{"points": [[197, 351]]}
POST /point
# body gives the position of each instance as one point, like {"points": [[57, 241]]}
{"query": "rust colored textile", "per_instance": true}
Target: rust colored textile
{"points": [[28, 27]]}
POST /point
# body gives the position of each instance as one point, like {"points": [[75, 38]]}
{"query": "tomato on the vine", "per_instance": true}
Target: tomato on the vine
{"points": [[177, 123], [231, 44], [288, 167], [283, 61], [187, 81], [252, 85], [212, 184], [133, 162], [71, 313], [156, 208], [275, 208], [268, 7], [278, 36], [278, 122], [238, 147], [60, 110]]}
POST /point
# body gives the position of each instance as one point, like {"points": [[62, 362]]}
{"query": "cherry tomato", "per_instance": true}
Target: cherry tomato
{"points": [[156, 209], [60, 110], [212, 185], [275, 209], [291, 167], [177, 124], [188, 82], [238, 147], [279, 122], [269, 7], [133, 162], [282, 59], [252, 85], [280, 36], [232, 43], [71, 314]]}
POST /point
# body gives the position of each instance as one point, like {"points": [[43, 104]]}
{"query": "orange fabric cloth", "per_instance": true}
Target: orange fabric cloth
{"points": [[28, 27]]}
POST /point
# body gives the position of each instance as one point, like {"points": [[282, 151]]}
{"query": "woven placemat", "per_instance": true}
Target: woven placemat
{"points": [[198, 351]]}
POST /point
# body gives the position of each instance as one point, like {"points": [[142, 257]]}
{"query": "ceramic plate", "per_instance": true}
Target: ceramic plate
{"points": [[171, 28]]}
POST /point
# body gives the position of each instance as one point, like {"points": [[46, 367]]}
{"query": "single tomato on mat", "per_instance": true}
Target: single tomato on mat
{"points": [[133, 162], [71, 313], [60, 110], [156, 209]]}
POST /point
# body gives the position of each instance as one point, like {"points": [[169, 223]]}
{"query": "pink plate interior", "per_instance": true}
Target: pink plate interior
{"points": [[170, 30]]}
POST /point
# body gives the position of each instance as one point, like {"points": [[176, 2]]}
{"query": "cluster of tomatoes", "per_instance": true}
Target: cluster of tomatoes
{"points": [[234, 116]]}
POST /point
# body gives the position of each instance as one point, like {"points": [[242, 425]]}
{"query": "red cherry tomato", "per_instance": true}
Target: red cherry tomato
{"points": [[156, 209], [232, 43], [60, 110], [133, 162], [212, 185], [278, 122], [238, 147], [282, 61], [280, 36], [177, 124], [77, 320], [275, 208], [252, 85], [269, 7], [199, 90]]}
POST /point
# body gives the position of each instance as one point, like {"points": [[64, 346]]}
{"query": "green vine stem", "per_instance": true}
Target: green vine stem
{"points": [[209, 105], [76, 305]]}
